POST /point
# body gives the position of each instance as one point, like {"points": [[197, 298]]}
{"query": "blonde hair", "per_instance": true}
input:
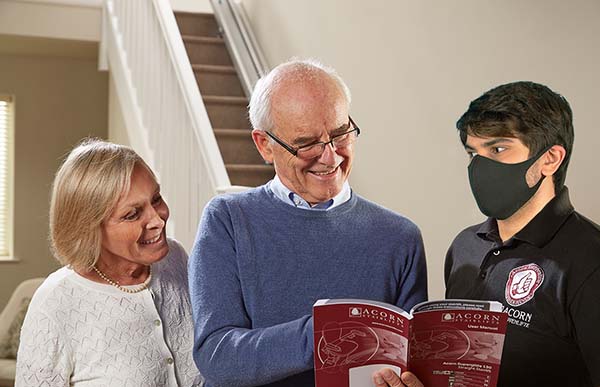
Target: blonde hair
{"points": [[85, 191]]}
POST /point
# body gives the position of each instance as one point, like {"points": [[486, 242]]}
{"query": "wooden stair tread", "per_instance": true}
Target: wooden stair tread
{"points": [[249, 167], [196, 14], [233, 132], [202, 39], [225, 99], [214, 68]]}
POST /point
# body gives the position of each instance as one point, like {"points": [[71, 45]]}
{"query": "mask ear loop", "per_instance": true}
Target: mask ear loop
{"points": [[546, 149], [537, 157]]}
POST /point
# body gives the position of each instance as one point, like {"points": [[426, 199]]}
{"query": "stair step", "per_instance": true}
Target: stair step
{"points": [[237, 147], [227, 112], [198, 24], [226, 100], [203, 39], [217, 80], [250, 175], [214, 69], [206, 50]]}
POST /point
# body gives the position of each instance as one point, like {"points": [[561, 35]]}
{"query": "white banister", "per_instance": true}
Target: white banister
{"points": [[163, 109], [241, 42]]}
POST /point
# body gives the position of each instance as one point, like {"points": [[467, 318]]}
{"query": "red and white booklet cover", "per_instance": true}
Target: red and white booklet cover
{"points": [[445, 343]]}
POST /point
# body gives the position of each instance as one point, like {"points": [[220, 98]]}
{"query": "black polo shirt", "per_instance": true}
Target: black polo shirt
{"points": [[548, 279]]}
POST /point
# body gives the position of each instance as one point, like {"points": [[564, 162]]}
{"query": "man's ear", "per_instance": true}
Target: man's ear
{"points": [[263, 144], [553, 159]]}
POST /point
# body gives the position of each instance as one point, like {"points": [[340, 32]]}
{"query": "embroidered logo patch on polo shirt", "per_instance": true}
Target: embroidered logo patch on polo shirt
{"points": [[522, 283]]}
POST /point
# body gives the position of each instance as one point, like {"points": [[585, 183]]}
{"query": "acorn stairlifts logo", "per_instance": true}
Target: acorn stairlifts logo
{"points": [[378, 314], [522, 283]]}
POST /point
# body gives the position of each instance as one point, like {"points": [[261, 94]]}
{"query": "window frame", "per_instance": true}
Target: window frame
{"points": [[8, 235]]}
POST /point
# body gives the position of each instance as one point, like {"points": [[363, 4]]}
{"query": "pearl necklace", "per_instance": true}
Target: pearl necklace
{"points": [[142, 286]]}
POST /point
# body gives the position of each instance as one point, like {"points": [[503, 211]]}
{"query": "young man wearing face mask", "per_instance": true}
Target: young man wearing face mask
{"points": [[534, 253]]}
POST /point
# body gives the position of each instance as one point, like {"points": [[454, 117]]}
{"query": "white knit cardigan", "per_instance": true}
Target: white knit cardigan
{"points": [[81, 333]]}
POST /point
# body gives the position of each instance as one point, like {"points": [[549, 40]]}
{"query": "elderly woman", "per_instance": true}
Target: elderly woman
{"points": [[118, 312]]}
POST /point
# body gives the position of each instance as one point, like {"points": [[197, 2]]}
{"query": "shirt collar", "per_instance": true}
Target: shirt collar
{"points": [[287, 196], [542, 227], [489, 230]]}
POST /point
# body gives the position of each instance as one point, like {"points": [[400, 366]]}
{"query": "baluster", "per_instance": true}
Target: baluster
{"points": [[137, 39], [147, 80], [117, 16], [143, 19], [132, 45], [122, 22], [179, 143], [142, 40], [117, 7], [155, 90]]}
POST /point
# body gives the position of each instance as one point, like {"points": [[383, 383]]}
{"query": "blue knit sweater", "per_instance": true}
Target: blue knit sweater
{"points": [[259, 264]]}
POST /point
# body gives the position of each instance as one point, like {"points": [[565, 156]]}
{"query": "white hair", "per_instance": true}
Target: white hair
{"points": [[260, 101]]}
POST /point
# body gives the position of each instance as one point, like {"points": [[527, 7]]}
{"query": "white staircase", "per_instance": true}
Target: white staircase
{"points": [[162, 108]]}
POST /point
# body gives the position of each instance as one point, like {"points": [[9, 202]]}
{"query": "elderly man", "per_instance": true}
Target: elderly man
{"points": [[263, 257]]}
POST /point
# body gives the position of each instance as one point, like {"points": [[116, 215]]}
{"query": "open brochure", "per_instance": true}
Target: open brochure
{"points": [[444, 343]]}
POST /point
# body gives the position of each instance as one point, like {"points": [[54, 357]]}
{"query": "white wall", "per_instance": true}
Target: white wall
{"points": [[67, 19], [202, 6], [413, 67], [77, 20]]}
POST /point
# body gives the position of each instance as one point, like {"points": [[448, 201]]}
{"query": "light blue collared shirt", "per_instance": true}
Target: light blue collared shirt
{"points": [[287, 196]]}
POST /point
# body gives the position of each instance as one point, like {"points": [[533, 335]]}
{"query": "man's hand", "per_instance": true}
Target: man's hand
{"points": [[387, 378]]}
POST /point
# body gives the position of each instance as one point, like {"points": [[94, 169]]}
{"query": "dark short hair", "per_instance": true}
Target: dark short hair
{"points": [[528, 111]]}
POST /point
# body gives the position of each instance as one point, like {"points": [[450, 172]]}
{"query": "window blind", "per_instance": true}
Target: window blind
{"points": [[6, 159]]}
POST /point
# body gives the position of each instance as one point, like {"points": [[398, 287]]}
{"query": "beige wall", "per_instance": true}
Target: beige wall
{"points": [[413, 67], [58, 102]]}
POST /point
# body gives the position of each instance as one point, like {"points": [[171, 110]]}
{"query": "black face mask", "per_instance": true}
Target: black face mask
{"points": [[501, 189]]}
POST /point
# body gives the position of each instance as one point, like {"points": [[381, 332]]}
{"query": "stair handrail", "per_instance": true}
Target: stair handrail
{"points": [[162, 107], [246, 54]]}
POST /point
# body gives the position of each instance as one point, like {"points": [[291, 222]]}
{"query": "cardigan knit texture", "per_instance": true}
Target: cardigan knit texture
{"points": [[81, 333]]}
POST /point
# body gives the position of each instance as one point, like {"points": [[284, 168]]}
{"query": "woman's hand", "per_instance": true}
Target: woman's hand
{"points": [[385, 377]]}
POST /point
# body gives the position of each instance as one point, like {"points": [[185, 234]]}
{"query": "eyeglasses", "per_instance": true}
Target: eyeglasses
{"points": [[316, 149]]}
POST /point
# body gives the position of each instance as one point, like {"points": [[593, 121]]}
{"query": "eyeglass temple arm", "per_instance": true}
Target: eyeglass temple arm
{"points": [[354, 124]]}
